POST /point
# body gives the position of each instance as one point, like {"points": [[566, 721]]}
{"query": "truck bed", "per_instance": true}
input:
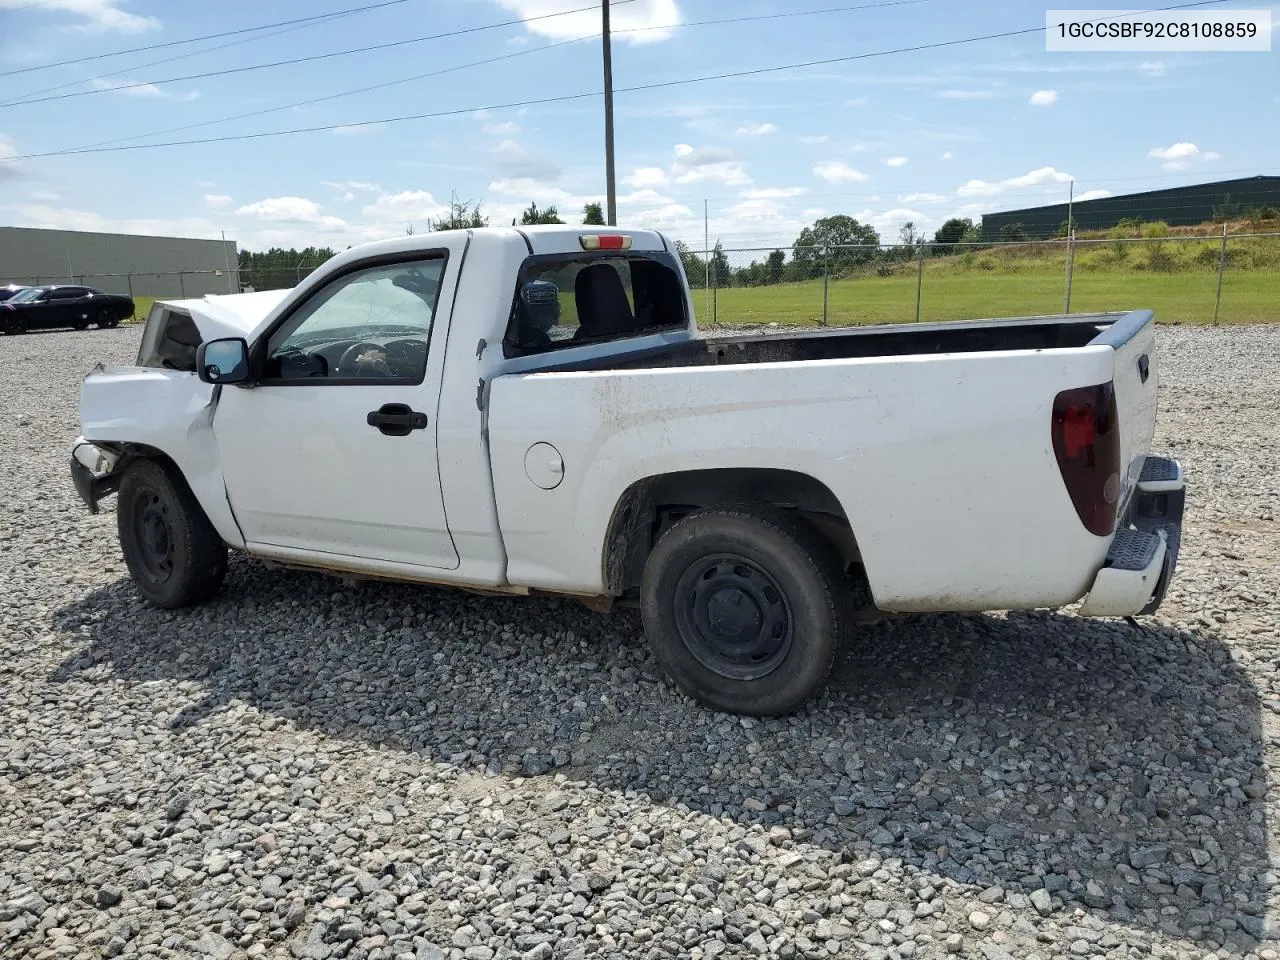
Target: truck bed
{"points": [[908, 339]]}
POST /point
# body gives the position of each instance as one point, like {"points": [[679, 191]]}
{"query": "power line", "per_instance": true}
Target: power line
{"points": [[564, 98], [349, 11], [308, 59], [491, 60], [155, 63], [348, 93]]}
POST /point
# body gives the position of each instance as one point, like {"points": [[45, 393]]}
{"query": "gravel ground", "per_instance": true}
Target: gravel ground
{"points": [[308, 769]]}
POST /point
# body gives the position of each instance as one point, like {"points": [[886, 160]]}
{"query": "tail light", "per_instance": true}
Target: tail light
{"points": [[1086, 441], [604, 242]]}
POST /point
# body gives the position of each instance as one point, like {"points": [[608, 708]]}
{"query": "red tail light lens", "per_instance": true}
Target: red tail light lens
{"points": [[1086, 441]]}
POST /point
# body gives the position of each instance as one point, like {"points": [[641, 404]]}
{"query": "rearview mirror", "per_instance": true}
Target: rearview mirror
{"points": [[223, 361]]}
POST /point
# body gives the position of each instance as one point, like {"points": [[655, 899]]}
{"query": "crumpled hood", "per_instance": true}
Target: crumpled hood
{"points": [[231, 314]]}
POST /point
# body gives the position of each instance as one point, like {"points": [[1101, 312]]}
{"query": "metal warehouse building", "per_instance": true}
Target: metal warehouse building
{"points": [[119, 263], [1177, 206]]}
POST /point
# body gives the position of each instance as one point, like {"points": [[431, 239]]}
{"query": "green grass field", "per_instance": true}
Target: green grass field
{"points": [[1247, 297], [142, 307]]}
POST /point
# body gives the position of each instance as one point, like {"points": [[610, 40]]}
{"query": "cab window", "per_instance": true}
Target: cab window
{"points": [[368, 326], [568, 300]]}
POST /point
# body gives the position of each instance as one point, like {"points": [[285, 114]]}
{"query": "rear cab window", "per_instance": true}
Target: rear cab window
{"points": [[569, 300]]}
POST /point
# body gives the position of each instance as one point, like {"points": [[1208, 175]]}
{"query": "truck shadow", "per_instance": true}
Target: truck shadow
{"points": [[1120, 767]]}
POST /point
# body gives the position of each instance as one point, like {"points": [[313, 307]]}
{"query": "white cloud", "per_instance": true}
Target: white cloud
{"points": [[889, 222], [856, 102], [644, 197], [407, 205], [837, 171], [639, 22], [98, 16], [708, 164], [1179, 156], [774, 193], [895, 161], [45, 196], [1179, 151], [1044, 98], [966, 94], [946, 156], [219, 201], [64, 218], [504, 129], [1038, 177], [291, 210], [646, 177], [759, 209], [131, 88], [1092, 195], [8, 150], [750, 129], [347, 189], [515, 162], [814, 140], [1041, 176], [923, 198], [1151, 68]]}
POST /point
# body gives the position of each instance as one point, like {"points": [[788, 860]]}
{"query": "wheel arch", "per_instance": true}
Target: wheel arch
{"points": [[650, 505], [208, 491]]}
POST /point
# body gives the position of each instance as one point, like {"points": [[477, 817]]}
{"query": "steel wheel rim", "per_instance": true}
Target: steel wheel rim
{"points": [[153, 536], [733, 617]]}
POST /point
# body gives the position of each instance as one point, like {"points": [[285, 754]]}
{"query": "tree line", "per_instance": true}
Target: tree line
{"points": [[835, 245]]}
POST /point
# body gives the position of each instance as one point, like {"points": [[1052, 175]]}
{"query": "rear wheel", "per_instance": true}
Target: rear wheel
{"points": [[175, 556], [744, 608]]}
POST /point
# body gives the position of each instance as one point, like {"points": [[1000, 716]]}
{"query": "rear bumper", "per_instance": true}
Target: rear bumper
{"points": [[92, 472], [1143, 555]]}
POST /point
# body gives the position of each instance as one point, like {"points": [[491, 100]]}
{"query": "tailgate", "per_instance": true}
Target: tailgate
{"points": [[1132, 337]]}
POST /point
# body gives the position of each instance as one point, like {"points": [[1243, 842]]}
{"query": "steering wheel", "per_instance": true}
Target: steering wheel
{"points": [[364, 359]]}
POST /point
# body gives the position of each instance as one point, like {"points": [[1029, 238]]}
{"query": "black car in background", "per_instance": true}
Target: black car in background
{"points": [[63, 305], [10, 290]]}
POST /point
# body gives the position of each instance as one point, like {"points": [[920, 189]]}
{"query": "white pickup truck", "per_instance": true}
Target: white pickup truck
{"points": [[531, 410]]}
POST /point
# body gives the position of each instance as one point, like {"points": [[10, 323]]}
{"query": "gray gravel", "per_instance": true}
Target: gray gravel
{"points": [[307, 769]]}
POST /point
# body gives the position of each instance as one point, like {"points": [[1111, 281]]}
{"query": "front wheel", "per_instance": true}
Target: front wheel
{"points": [[13, 325], [107, 319], [174, 555], [744, 608]]}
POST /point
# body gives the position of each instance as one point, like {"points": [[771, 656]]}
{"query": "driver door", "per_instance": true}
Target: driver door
{"points": [[333, 452]]}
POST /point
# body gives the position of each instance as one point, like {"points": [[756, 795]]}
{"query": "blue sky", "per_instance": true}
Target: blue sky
{"points": [[921, 136]]}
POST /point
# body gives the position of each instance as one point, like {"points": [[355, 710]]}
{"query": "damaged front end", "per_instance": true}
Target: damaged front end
{"points": [[93, 471]]}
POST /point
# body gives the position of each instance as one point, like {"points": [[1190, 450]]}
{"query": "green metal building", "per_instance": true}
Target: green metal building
{"points": [[1177, 206]]}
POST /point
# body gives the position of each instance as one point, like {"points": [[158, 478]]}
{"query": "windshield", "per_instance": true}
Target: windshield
{"points": [[22, 296]]}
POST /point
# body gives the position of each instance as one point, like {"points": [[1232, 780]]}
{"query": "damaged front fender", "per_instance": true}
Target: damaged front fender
{"points": [[128, 412]]}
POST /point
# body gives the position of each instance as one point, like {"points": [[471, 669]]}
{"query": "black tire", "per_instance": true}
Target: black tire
{"points": [[13, 325], [745, 608], [107, 319], [174, 555]]}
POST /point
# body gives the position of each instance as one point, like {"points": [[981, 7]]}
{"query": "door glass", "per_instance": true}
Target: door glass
{"points": [[373, 324]]}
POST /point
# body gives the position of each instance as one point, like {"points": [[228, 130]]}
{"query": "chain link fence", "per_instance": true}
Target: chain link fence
{"points": [[1229, 278]]}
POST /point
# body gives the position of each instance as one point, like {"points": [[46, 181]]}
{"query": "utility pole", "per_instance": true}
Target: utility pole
{"points": [[611, 214]]}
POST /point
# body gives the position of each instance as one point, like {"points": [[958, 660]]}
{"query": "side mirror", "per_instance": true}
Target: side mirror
{"points": [[223, 361]]}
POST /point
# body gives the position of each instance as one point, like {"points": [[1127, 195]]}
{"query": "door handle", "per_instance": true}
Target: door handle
{"points": [[396, 419]]}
